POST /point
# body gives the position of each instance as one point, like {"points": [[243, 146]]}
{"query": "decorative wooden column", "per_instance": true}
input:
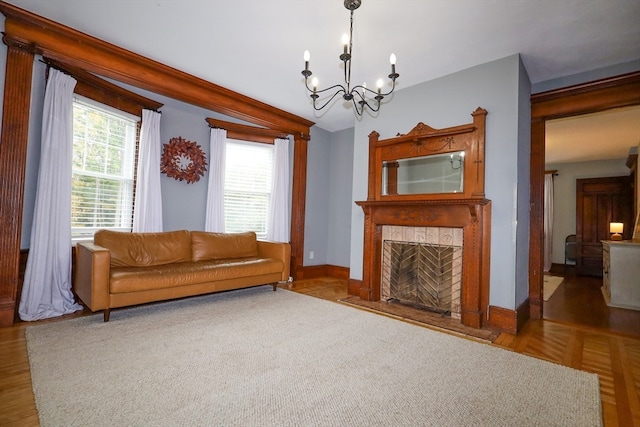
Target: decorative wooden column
{"points": [[298, 203], [13, 155]]}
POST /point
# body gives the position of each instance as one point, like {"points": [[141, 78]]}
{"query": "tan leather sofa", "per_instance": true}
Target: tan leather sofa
{"points": [[122, 269]]}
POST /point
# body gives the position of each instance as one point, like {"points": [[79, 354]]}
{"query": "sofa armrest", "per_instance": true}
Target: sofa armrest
{"points": [[91, 284], [276, 250]]}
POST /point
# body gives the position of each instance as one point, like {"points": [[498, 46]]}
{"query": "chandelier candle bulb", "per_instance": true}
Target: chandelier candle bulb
{"points": [[307, 57], [345, 42], [392, 60], [314, 83]]}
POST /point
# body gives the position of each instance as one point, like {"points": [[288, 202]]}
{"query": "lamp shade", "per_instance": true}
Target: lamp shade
{"points": [[616, 227]]}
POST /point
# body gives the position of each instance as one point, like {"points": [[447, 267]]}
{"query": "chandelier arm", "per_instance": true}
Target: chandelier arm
{"points": [[364, 103], [375, 110], [327, 102], [340, 88], [355, 106], [372, 92], [393, 86]]}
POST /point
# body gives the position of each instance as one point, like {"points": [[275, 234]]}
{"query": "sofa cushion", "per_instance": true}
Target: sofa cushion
{"points": [[145, 249], [208, 246], [130, 279]]}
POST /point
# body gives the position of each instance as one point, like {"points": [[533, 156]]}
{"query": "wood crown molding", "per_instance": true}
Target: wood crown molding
{"points": [[100, 90], [619, 91], [246, 132], [67, 45]]}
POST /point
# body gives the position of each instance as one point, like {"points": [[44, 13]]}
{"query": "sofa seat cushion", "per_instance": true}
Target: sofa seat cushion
{"points": [[133, 279]]}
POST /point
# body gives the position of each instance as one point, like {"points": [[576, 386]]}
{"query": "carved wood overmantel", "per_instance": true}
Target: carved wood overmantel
{"points": [[466, 208]]}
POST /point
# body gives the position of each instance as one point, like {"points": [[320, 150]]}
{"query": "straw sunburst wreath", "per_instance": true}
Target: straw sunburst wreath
{"points": [[183, 160]]}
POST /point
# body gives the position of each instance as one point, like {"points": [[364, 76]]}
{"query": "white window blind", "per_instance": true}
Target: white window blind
{"points": [[104, 149], [247, 189]]}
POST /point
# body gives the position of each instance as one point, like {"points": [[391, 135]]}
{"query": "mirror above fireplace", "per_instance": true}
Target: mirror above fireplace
{"points": [[428, 163], [437, 173]]}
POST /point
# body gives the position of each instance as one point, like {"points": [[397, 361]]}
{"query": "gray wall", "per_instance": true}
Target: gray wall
{"points": [[340, 183], [328, 202], [564, 195], [523, 187], [498, 87], [184, 205], [316, 223]]}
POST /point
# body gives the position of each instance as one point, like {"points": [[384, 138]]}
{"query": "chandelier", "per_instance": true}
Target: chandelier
{"points": [[359, 95]]}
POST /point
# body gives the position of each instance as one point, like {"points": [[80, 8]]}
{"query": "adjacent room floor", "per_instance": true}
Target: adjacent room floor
{"points": [[578, 300]]}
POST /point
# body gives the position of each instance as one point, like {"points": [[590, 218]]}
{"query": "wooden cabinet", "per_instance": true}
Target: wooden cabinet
{"points": [[600, 201], [621, 274]]}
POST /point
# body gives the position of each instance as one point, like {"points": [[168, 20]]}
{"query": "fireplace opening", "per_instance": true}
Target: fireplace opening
{"points": [[422, 275]]}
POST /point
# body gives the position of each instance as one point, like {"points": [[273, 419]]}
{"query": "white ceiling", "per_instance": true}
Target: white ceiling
{"points": [[599, 136], [255, 47]]}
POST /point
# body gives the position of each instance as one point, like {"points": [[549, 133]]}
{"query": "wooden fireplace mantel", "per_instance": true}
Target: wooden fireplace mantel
{"points": [[466, 209], [472, 215]]}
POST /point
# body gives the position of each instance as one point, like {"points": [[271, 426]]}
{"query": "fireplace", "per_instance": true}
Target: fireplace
{"points": [[422, 267], [427, 224]]}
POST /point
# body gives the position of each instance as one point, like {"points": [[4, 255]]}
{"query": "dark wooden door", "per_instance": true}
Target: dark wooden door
{"points": [[600, 201]]}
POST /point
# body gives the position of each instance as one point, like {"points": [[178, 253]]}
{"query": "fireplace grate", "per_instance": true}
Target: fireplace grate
{"points": [[422, 275]]}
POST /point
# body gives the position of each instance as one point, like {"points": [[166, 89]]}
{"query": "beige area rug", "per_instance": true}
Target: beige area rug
{"points": [[255, 357], [551, 284]]}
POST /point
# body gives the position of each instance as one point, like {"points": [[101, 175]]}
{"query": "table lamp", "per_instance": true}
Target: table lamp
{"points": [[616, 228]]}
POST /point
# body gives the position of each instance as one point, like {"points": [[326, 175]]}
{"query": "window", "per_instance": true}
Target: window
{"points": [[104, 150], [247, 188]]}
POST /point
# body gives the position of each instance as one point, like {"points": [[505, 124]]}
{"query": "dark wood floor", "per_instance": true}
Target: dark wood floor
{"points": [[579, 301]]}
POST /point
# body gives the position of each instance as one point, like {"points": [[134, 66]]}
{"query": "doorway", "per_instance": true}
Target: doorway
{"points": [[586, 98]]}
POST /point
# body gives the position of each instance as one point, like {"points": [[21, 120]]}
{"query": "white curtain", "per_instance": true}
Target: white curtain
{"points": [[214, 220], [278, 228], [548, 221], [147, 214], [47, 283]]}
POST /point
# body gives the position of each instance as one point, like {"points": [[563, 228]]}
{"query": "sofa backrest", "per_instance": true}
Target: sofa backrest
{"points": [[209, 246], [145, 249]]}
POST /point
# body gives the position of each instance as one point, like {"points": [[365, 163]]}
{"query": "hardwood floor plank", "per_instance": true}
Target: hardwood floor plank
{"points": [[575, 349], [630, 383]]}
